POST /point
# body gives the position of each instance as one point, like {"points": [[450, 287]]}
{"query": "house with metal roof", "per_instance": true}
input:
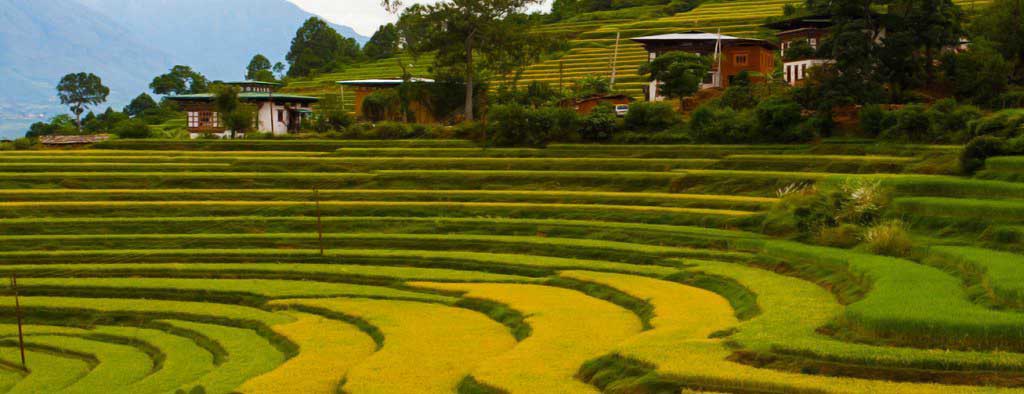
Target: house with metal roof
{"points": [[733, 56], [276, 113]]}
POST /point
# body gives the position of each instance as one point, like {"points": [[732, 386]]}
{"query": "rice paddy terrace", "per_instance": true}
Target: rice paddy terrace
{"points": [[156, 266]]}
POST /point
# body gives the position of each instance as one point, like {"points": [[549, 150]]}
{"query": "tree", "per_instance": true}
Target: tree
{"points": [[980, 74], [680, 73], [180, 80], [279, 70], [592, 85], [80, 91], [318, 48], [234, 115], [140, 105], [256, 65], [383, 44], [1002, 24], [471, 37]]}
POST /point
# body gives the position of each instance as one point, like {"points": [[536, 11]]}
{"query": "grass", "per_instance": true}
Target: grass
{"points": [[248, 355], [327, 350], [562, 337], [428, 348]]}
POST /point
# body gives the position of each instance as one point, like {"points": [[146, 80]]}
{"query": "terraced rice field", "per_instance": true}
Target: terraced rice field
{"points": [[156, 266]]}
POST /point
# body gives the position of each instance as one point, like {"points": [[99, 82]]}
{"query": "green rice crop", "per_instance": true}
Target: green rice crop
{"points": [[49, 372], [117, 366], [1001, 273], [908, 302], [249, 355]]}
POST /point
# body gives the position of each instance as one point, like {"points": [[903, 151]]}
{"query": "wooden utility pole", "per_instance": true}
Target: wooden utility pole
{"points": [[17, 313], [615, 61], [319, 223]]}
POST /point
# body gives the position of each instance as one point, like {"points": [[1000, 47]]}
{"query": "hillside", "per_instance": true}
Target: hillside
{"points": [[147, 266], [592, 43]]}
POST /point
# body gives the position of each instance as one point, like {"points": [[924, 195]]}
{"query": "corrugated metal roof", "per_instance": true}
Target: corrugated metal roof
{"points": [[695, 36], [384, 81], [250, 96]]}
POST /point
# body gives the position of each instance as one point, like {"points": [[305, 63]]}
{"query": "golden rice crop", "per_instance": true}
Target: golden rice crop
{"points": [[568, 328], [327, 349], [683, 311], [428, 348]]}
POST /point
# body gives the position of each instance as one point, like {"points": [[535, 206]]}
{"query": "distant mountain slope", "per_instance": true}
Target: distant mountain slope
{"points": [[128, 42], [42, 40], [216, 37]]}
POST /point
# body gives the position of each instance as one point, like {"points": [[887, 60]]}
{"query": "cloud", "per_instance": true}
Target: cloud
{"points": [[362, 15]]}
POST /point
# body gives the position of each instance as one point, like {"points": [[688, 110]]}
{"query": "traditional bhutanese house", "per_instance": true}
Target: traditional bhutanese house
{"points": [[365, 87], [584, 106], [812, 29], [276, 113], [738, 55]]}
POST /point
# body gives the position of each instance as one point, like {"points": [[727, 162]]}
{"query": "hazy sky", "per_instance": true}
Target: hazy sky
{"points": [[363, 15]]}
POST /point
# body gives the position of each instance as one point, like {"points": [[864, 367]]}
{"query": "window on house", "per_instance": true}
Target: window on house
{"points": [[280, 115], [740, 60], [193, 119], [814, 43]]}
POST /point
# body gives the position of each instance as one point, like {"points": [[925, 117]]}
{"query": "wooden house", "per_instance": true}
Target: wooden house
{"points": [[737, 55], [277, 114], [361, 88], [810, 29]]}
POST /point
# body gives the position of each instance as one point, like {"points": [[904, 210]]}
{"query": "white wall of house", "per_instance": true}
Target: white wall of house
{"points": [[796, 71], [273, 117]]}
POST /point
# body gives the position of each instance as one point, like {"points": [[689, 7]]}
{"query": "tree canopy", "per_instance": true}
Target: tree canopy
{"points": [[383, 44], [1002, 24], [471, 37], [180, 80], [80, 91], [258, 67], [319, 48], [680, 73], [140, 105]]}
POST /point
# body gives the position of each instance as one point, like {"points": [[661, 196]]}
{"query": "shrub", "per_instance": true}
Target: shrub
{"points": [[651, 117], [912, 124], [390, 131], [842, 236], [135, 128], [978, 150], [888, 238], [874, 120], [949, 120], [779, 121], [514, 125], [600, 125], [710, 124], [1007, 124]]}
